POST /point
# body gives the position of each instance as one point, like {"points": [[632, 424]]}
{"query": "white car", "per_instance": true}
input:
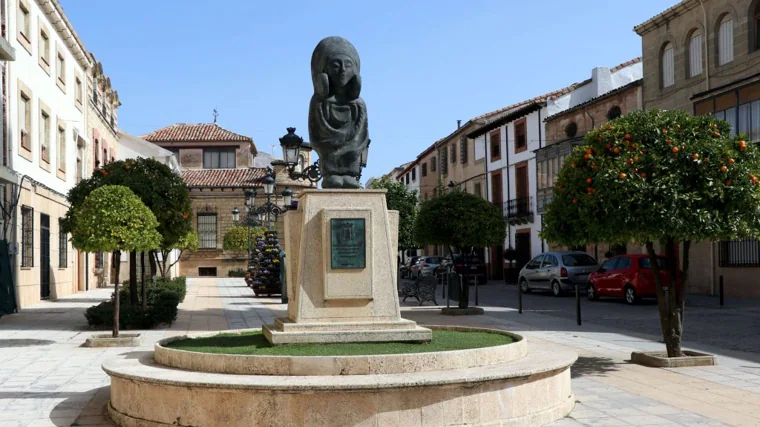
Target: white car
{"points": [[425, 266]]}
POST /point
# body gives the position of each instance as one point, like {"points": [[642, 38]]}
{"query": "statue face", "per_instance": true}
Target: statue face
{"points": [[340, 69]]}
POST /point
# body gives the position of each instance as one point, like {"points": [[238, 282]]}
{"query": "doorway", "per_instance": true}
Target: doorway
{"points": [[522, 246], [44, 256], [497, 262]]}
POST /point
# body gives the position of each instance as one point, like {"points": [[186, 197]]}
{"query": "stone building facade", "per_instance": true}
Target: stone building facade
{"points": [[703, 57], [218, 166]]}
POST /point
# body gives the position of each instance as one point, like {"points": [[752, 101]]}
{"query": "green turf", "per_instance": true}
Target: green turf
{"points": [[254, 343]]}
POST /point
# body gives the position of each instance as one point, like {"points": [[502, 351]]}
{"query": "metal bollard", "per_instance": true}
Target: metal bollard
{"points": [[476, 290], [720, 289], [578, 303], [519, 299]]}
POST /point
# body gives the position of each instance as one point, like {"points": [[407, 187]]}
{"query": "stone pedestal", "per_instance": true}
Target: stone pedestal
{"points": [[341, 268]]}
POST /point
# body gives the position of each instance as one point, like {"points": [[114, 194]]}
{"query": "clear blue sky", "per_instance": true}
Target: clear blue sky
{"points": [[425, 63]]}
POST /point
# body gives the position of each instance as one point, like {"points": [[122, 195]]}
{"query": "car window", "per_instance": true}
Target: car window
{"points": [[578, 260], [610, 264], [646, 264], [535, 262], [434, 260], [550, 261], [623, 263]]}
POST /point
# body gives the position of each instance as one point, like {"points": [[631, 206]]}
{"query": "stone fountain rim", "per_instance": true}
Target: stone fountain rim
{"points": [[377, 364], [544, 360]]}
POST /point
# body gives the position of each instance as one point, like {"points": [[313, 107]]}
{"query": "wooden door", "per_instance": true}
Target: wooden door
{"points": [[521, 181], [497, 193]]}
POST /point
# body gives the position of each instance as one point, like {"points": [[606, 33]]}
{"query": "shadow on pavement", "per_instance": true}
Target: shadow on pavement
{"points": [[592, 366]]}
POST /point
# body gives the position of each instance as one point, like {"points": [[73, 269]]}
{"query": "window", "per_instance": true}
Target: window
{"points": [[463, 149], [27, 236], [424, 169], [24, 25], [44, 49], [646, 264], [521, 137], [550, 261], [406, 179], [99, 260], [78, 92], [610, 264], [614, 113], [207, 271], [578, 260], [749, 120], [218, 158], [624, 263], [105, 156], [433, 164], [63, 246], [726, 40], [207, 230], [571, 130], [61, 147], [495, 138], [695, 53], [739, 253], [60, 70], [454, 152], [755, 27], [112, 120], [535, 262], [95, 94], [97, 153], [414, 174], [478, 191], [45, 135], [25, 120], [668, 66], [444, 160]]}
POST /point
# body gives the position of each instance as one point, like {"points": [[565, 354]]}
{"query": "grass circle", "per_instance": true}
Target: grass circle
{"points": [[254, 343]]}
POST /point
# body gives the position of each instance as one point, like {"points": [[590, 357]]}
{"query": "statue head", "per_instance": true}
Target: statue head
{"points": [[335, 68]]}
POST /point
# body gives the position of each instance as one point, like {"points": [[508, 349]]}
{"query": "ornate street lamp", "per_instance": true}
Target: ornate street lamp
{"points": [[292, 145], [235, 215]]}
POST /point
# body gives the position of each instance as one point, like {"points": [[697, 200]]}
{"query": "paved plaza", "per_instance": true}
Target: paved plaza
{"points": [[48, 379]]}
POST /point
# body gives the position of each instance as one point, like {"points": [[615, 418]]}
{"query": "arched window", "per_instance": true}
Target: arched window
{"points": [[571, 130], [725, 40], [754, 26], [97, 153], [614, 113], [695, 53], [667, 61]]}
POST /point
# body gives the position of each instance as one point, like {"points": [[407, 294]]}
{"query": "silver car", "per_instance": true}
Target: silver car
{"points": [[424, 266], [557, 271]]}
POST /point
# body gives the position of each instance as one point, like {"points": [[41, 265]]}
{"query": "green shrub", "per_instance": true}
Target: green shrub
{"points": [[177, 284], [130, 316], [239, 272], [163, 299], [164, 307]]}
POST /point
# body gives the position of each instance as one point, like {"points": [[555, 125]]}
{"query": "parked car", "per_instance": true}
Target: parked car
{"points": [[405, 269], [628, 276], [476, 267], [557, 271], [424, 266]]}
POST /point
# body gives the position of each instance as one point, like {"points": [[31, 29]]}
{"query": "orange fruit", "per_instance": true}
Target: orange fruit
{"points": [[575, 201], [664, 131], [674, 150], [589, 180], [668, 142], [608, 146], [627, 136], [695, 156], [643, 174], [589, 190], [731, 161], [586, 156], [623, 175], [723, 168], [716, 134], [616, 150], [629, 161]]}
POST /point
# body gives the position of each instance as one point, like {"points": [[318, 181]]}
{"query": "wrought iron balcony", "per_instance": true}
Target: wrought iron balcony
{"points": [[519, 211]]}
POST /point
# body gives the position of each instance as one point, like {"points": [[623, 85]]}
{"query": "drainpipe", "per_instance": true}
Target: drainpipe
{"points": [[593, 124], [707, 58]]}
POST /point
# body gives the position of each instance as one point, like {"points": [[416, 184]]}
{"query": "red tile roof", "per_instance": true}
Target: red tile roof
{"points": [[195, 132], [221, 178]]}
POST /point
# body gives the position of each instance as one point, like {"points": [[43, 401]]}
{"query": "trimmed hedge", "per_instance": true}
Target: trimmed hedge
{"points": [[163, 299], [236, 273]]}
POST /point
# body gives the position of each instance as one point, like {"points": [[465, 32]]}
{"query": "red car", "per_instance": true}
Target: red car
{"points": [[628, 276]]}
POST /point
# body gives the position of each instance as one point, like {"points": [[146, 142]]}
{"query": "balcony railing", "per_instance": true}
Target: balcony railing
{"points": [[519, 210]]}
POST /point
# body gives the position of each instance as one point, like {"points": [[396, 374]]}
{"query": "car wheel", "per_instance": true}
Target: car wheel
{"points": [[524, 288], [630, 295], [591, 293], [556, 289]]}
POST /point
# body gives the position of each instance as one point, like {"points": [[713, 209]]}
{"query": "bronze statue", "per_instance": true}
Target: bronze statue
{"points": [[337, 115]]}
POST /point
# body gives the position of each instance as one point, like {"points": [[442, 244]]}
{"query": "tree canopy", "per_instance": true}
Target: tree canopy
{"points": [[461, 220], [160, 189], [400, 198], [113, 218], [653, 175]]}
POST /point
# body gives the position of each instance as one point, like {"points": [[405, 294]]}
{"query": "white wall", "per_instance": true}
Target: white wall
{"points": [[43, 87]]}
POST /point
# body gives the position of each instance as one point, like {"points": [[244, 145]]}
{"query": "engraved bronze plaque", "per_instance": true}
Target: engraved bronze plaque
{"points": [[348, 243]]}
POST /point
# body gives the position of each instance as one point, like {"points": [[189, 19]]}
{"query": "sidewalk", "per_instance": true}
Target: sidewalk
{"points": [[47, 379]]}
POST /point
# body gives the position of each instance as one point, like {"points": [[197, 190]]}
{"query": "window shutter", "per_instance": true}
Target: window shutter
{"points": [[463, 149], [695, 55], [668, 67], [726, 41], [454, 152]]}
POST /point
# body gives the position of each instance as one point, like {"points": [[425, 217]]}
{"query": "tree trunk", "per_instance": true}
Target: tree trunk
{"points": [[464, 300], [133, 277], [152, 259], [684, 281], [143, 287], [675, 328], [662, 303], [117, 260]]}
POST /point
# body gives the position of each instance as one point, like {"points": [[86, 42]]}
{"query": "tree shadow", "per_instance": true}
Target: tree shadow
{"points": [[593, 366], [20, 342], [88, 403]]}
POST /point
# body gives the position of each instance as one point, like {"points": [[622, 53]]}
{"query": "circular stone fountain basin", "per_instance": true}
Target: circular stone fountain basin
{"points": [[515, 384]]}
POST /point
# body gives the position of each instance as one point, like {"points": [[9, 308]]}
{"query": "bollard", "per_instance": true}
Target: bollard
{"points": [[720, 289], [519, 299], [578, 303], [476, 290]]}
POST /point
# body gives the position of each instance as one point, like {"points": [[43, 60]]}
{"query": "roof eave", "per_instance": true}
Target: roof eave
{"points": [[510, 117], [665, 16]]}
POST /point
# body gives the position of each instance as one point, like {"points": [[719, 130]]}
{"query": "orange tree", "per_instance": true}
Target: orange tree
{"points": [[658, 177]]}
